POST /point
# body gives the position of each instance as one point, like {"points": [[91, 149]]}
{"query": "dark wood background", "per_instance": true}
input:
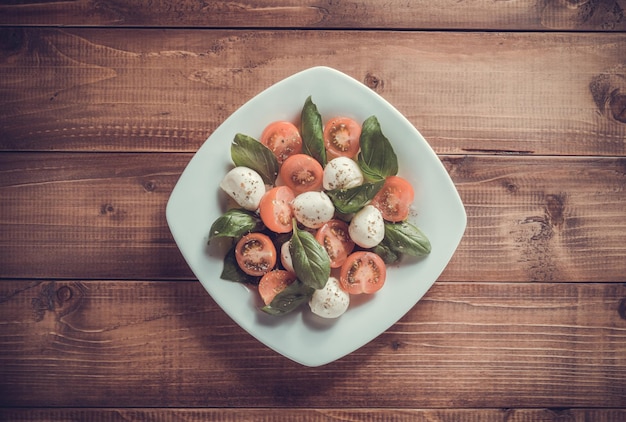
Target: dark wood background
{"points": [[103, 103]]}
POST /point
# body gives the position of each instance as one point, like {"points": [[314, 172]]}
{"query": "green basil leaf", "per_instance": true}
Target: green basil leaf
{"points": [[347, 201], [232, 272], [248, 152], [235, 223], [289, 299], [388, 255], [406, 238], [377, 158], [313, 132], [310, 260]]}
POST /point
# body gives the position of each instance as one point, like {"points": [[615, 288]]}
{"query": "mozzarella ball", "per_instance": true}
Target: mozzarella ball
{"points": [[342, 173], [330, 301], [367, 227], [285, 257], [313, 209], [245, 186]]}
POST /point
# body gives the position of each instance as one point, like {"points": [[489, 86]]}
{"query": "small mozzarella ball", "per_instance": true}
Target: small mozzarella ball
{"points": [[245, 186], [330, 301], [285, 257], [342, 173], [313, 209], [367, 227]]}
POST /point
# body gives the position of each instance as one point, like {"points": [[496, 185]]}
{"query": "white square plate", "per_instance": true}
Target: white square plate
{"points": [[196, 202]]}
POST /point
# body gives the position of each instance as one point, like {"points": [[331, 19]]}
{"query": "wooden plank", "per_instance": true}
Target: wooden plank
{"points": [[303, 415], [88, 215], [603, 15], [167, 90], [465, 345], [101, 215], [540, 218]]}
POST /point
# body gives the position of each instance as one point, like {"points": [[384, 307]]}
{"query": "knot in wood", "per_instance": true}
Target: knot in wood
{"points": [[106, 209], [555, 204], [621, 309], [608, 90], [395, 345], [374, 82], [510, 187], [149, 186], [617, 105], [64, 293]]}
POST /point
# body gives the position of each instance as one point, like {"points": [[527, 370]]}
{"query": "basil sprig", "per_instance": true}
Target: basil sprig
{"points": [[248, 152], [405, 238], [289, 299], [377, 158], [310, 260], [313, 132], [235, 223], [232, 272], [347, 201]]}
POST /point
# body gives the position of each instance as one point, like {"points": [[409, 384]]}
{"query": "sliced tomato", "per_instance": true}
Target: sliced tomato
{"points": [[283, 139], [273, 283], [394, 199], [334, 237], [275, 209], [341, 137], [363, 272], [302, 173], [256, 254]]}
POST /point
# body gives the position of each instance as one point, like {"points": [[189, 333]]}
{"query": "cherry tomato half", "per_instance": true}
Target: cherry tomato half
{"points": [[334, 237], [283, 139], [273, 283], [341, 137], [275, 209], [256, 254], [394, 199], [363, 272], [302, 173]]}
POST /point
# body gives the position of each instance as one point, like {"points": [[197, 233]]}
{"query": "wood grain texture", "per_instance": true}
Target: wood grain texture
{"points": [[465, 345], [167, 90], [540, 219], [103, 103], [322, 415], [101, 215], [597, 15]]}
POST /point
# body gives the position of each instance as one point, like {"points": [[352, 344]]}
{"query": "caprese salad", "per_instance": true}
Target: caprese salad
{"points": [[316, 213]]}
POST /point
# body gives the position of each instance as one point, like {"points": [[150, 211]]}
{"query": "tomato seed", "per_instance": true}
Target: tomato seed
{"points": [[303, 177], [328, 245], [340, 137]]}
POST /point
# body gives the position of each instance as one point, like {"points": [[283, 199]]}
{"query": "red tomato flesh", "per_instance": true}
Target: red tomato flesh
{"points": [[283, 139], [334, 237], [273, 283], [302, 173], [256, 254], [275, 209], [341, 137], [394, 199], [363, 272]]}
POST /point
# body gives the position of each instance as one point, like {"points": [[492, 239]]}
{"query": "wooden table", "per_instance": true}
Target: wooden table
{"points": [[104, 103]]}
